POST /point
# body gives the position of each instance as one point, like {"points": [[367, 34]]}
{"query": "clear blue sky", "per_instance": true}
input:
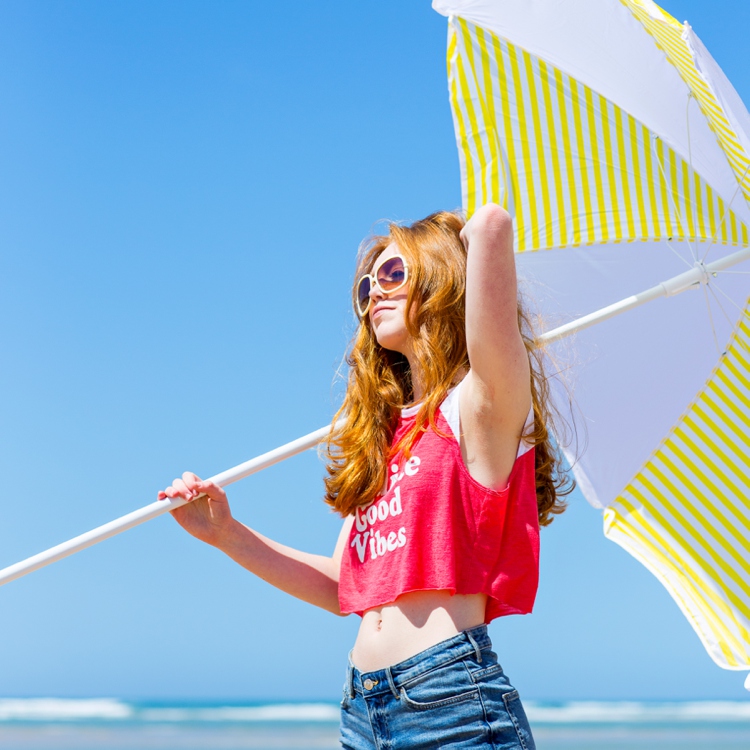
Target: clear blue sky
{"points": [[183, 188]]}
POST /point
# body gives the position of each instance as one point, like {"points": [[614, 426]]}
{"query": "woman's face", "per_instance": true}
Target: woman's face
{"points": [[388, 311]]}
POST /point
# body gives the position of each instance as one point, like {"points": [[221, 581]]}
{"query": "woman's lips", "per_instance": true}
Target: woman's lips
{"points": [[380, 309]]}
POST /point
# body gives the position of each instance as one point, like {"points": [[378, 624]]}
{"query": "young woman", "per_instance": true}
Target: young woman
{"points": [[443, 472]]}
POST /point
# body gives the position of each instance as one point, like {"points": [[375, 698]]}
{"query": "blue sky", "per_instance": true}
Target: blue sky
{"points": [[183, 189]]}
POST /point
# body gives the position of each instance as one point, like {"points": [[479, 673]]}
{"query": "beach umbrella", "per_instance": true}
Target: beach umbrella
{"points": [[621, 150], [623, 154]]}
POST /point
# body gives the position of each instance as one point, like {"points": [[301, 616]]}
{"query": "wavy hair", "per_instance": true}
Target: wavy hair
{"points": [[380, 381]]}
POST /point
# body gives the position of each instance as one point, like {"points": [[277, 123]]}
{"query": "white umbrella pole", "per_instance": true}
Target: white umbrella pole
{"points": [[697, 275], [158, 508]]}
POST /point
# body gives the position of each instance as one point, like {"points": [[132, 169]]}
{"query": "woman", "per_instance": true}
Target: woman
{"points": [[441, 500]]}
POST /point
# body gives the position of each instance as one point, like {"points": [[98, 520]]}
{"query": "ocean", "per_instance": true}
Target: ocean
{"points": [[114, 724]]}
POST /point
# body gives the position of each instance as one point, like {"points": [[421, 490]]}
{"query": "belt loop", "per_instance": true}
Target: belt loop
{"points": [[391, 683], [477, 650], [350, 681]]}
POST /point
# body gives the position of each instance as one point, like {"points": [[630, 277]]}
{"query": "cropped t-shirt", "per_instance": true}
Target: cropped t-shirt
{"points": [[437, 528]]}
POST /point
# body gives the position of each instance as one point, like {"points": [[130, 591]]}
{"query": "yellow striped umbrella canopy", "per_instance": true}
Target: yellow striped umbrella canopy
{"points": [[616, 142]]}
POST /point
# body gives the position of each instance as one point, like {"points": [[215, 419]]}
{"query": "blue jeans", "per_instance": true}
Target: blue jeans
{"points": [[453, 694]]}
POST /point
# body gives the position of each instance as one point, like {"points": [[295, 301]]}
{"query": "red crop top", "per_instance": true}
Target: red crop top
{"points": [[437, 528]]}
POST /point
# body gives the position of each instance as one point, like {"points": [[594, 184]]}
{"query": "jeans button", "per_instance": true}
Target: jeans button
{"points": [[369, 684]]}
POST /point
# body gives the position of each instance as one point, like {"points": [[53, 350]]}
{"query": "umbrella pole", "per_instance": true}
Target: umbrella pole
{"points": [[696, 276], [159, 508]]}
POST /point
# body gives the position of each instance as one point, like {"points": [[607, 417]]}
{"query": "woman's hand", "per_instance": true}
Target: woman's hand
{"points": [[207, 515]]}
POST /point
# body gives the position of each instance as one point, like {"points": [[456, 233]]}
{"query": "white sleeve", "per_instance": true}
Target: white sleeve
{"points": [[449, 410]]}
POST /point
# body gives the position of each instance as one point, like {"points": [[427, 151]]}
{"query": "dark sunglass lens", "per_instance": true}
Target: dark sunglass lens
{"points": [[363, 293], [391, 274]]}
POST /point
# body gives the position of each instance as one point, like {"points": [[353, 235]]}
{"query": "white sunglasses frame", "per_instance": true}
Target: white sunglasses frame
{"points": [[374, 282]]}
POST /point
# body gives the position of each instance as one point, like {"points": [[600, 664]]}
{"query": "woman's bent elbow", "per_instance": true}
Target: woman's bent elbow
{"points": [[335, 609], [493, 218]]}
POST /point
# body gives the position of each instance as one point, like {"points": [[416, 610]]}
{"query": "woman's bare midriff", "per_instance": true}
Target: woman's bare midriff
{"points": [[414, 622]]}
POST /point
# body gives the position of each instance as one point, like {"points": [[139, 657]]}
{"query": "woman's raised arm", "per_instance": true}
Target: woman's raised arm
{"points": [[497, 395]]}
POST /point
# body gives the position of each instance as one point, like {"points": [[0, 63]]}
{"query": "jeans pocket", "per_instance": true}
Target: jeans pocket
{"points": [[440, 703], [444, 686], [518, 717]]}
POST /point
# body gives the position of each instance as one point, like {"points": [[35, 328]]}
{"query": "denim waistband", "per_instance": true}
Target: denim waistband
{"points": [[472, 641]]}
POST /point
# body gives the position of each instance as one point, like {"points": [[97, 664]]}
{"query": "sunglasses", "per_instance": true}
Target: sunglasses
{"points": [[389, 276]]}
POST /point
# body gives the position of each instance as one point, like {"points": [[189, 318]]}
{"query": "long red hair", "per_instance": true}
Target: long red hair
{"points": [[380, 381]]}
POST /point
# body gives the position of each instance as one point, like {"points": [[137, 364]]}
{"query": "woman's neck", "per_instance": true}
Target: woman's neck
{"points": [[416, 379], [417, 383]]}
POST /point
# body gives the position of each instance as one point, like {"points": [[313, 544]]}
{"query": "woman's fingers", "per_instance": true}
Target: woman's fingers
{"points": [[190, 486], [213, 491], [187, 490], [198, 487], [182, 490], [191, 482]]}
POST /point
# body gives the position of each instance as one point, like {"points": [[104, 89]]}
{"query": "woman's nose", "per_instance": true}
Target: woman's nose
{"points": [[375, 291]]}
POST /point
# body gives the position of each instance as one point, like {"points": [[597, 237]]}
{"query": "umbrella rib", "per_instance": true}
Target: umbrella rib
{"points": [[711, 319], [686, 262], [728, 297], [721, 307]]}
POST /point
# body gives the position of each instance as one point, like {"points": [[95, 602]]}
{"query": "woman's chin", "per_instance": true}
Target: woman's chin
{"points": [[395, 342]]}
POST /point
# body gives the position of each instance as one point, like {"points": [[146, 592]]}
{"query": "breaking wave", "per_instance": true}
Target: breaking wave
{"points": [[111, 710], [624, 712], [63, 709]]}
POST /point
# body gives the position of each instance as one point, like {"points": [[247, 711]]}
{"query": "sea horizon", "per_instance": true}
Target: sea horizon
{"points": [[39, 723]]}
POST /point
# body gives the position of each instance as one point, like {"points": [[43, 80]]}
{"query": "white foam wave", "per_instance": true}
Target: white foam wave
{"points": [[325, 712], [62, 709], [574, 712], [589, 712]]}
